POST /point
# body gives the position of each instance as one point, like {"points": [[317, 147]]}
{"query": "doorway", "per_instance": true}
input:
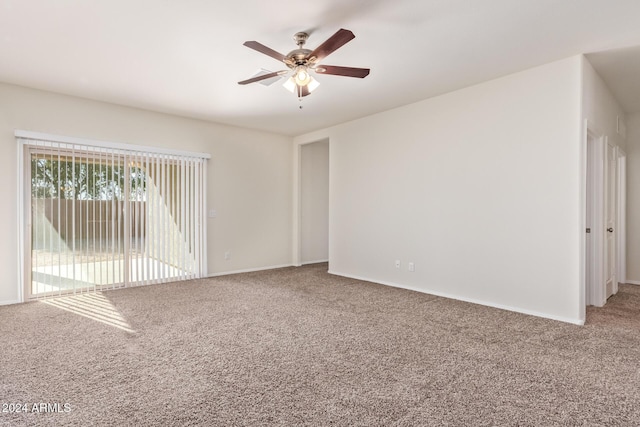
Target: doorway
{"points": [[314, 202]]}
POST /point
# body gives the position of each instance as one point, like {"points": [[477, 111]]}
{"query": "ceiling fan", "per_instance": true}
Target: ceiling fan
{"points": [[301, 61]]}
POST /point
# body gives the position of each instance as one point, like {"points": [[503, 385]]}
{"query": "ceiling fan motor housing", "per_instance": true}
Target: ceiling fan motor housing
{"points": [[297, 57]]}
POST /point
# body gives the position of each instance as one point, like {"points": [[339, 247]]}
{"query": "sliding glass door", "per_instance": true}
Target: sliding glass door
{"points": [[102, 218], [77, 220]]}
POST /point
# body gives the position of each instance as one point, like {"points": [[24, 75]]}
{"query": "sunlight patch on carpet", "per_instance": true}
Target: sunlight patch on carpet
{"points": [[94, 306]]}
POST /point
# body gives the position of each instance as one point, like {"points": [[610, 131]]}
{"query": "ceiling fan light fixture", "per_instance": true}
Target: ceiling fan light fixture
{"points": [[291, 86], [302, 76]]}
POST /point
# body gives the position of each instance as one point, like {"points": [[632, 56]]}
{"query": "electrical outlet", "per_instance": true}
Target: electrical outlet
{"points": [[397, 263], [227, 255], [411, 266]]}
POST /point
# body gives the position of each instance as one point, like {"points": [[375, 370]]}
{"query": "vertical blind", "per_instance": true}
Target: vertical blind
{"points": [[103, 217]]}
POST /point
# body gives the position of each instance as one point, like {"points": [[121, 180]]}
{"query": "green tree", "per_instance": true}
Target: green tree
{"points": [[83, 180]]}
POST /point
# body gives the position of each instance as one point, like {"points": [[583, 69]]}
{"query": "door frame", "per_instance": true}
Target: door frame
{"points": [[610, 252], [595, 143], [593, 254], [303, 196], [24, 223], [621, 220], [297, 199]]}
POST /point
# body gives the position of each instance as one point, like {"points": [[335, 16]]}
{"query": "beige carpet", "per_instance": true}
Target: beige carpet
{"points": [[297, 346]]}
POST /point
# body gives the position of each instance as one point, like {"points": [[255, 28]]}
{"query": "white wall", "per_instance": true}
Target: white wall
{"points": [[599, 106], [633, 198], [249, 180], [480, 188], [314, 199]]}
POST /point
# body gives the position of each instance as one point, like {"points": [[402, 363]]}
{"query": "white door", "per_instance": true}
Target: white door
{"points": [[610, 177]]}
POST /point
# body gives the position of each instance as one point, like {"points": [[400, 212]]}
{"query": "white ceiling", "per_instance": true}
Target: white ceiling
{"points": [[620, 69], [186, 57]]}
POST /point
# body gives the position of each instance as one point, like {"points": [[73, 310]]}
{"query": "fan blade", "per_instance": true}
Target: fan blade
{"points": [[264, 49], [262, 77], [343, 71], [333, 43]]}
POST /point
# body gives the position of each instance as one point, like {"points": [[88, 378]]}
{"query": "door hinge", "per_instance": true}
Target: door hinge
{"points": [[588, 230]]}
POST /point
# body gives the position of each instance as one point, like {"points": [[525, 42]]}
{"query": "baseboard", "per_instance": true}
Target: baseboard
{"points": [[632, 282], [10, 302], [249, 270], [579, 322], [315, 262]]}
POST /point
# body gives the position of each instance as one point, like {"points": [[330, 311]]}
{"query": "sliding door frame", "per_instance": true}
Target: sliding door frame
{"points": [[94, 146]]}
